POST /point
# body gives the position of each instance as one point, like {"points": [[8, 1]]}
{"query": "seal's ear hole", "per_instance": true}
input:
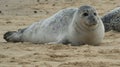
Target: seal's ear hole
{"points": [[95, 14], [85, 14]]}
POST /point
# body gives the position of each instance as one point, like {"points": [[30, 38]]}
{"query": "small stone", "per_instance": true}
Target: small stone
{"points": [[8, 22], [35, 11]]}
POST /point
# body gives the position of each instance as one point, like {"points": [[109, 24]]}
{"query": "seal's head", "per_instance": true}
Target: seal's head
{"points": [[88, 16]]}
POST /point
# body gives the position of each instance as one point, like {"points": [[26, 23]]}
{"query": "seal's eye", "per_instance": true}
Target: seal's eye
{"points": [[85, 14], [95, 14]]}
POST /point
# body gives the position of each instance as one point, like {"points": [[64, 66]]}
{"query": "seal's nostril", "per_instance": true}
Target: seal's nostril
{"points": [[85, 14], [93, 19], [95, 14]]}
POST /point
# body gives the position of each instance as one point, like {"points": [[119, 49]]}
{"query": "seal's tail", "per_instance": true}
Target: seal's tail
{"points": [[14, 36]]}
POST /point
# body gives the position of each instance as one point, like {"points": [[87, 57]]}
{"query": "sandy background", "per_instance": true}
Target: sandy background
{"points": [[15, 14]]}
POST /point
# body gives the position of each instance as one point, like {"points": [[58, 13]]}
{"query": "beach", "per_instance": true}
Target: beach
{"points": [[19, 14]]}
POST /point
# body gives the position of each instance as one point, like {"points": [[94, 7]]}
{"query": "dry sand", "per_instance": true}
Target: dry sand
{"points": [[15, 14]]}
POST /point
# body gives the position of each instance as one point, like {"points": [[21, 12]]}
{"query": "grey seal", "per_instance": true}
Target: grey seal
{"points": [[74, 26], [111, 20]]}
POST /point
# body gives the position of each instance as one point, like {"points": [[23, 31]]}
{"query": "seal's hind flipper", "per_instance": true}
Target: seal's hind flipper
{"points": [[7, 35], [12, 36]]}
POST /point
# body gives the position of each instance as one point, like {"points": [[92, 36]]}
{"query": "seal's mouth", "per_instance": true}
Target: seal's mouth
{"points": [[91, 24]]}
